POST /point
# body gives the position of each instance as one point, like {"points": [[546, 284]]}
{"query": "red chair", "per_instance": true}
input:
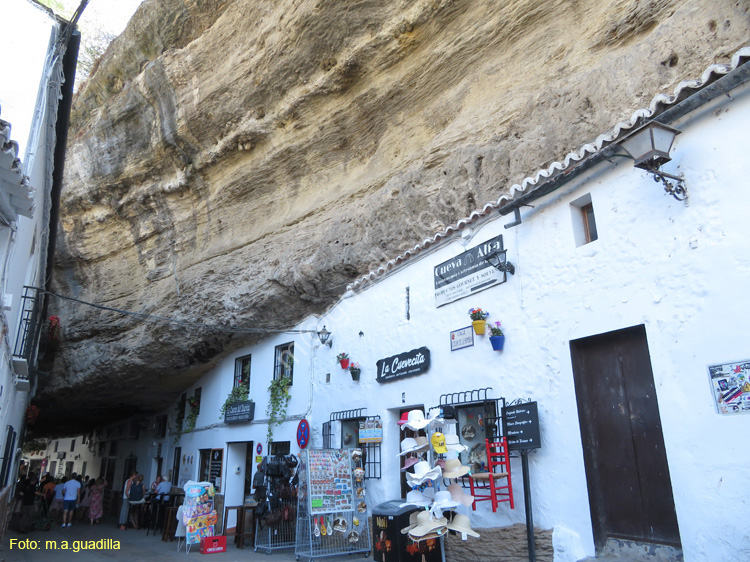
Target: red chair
{"points": [[494, 485]]}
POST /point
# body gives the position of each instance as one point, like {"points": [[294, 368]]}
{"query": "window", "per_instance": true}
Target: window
{"points": [[584, 223], [210, 470], [589, 224], [279, 448], [160, 427], [242, 371], [351, 429], [72, 445], [284, 361], [197, 396], [57, 444], [181, 408]]}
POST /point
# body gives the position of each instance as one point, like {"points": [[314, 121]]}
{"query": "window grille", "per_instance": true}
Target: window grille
{"points": [[31, 323], [10, 447], [242, 371], [371, 456], [284, 362]]}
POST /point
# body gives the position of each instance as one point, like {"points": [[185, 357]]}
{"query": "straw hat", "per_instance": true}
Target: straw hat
{"points": [[412, 522], [416, 498], [426, 524], [454, 469], [422, 472], [462, 524], [458, 494]]}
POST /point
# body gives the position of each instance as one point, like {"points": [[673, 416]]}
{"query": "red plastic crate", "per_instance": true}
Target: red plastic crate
{"points": [[212, 545]]}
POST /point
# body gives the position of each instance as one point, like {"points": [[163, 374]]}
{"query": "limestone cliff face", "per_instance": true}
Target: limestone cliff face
{"points": [[241, 161]]}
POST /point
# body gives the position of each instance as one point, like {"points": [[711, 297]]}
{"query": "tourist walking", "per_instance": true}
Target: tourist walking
{"points": [[71, 497], [96, 507]]}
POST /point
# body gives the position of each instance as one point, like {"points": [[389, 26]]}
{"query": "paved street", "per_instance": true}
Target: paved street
{"points": [[133, 546]]}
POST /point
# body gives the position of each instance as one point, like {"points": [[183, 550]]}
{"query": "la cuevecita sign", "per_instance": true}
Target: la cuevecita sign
{"points": [[414, 362]]}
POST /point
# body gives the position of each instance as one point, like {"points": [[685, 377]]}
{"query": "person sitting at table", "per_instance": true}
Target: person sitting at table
{"points": [[156, 482], [136, 500], [163, 489]]}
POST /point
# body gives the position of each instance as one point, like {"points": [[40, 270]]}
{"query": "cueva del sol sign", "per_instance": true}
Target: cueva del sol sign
{"points": [[407, 364]]}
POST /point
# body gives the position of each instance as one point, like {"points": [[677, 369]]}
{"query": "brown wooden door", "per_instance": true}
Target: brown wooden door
{"points": [[630, 491]]}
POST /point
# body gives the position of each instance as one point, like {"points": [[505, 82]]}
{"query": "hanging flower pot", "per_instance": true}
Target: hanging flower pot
{"points": [[355, 374], [343, 359], [478, 318], [497, 342], [497, 338]]}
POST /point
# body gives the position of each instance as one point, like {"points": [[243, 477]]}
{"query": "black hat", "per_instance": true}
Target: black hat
{"points": [[449, 412]]}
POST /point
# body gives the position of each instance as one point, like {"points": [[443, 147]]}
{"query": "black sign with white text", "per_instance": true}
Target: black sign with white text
{"points": [[414, 362], [240, 412], [521, 426]]}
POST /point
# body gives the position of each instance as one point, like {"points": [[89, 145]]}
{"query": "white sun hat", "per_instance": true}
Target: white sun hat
{"points": [[416, 420], [416, 498], [453, 444], [443, 501], [422, 473], [462, 524]]}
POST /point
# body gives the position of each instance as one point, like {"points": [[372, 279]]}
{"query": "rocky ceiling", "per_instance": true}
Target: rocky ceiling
{"points": [[241, 161]]}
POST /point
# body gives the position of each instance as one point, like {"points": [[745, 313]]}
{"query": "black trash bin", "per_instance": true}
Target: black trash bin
{"points": [[389, 544]]}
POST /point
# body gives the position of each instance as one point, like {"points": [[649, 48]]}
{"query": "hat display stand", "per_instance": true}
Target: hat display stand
{"points": [[332, 504], [446, 446], [439, 514]]}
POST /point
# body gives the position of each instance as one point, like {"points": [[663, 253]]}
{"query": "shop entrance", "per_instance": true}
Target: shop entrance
{"points": [[402, 434], [630, 491]]}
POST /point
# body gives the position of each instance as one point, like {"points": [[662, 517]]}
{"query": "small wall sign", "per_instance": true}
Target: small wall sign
{"points": [[410, 363], [462, 338], [259, 448], [521, 426], [730, 383]]}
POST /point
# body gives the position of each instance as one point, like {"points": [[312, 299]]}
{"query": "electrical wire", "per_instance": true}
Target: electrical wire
{"points": [[165, 319]]}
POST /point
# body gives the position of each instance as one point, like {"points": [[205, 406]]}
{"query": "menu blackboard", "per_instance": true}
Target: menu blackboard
{"points": [[214, 470], [521, 426]]}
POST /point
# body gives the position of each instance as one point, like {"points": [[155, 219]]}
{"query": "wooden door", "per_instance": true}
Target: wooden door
{"points": [[630, 491]]}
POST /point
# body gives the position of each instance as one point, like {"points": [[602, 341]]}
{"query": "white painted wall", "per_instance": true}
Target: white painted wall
{"points": [[681, 270]]}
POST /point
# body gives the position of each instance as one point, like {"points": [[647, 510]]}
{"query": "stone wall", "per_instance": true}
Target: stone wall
{"points": [[504, 544]]}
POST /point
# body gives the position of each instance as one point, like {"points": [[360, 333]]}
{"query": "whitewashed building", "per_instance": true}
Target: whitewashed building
{"points": [[36, 78], [623, 320]]}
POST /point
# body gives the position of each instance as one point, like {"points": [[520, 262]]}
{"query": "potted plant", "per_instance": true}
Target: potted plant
{"points": [[239, 393], [497, 338], [478, 317], [192, 415], [343, 358], [355, 370]]}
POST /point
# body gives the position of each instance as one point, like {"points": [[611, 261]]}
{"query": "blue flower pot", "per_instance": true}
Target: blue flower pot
{"points": [[497, 342]]}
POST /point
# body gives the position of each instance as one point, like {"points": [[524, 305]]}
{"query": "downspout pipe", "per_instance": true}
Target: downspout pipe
{"points": [[70, 63]]}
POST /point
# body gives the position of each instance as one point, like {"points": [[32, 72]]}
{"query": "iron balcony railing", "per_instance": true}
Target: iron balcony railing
{"points": [[31, 323]]}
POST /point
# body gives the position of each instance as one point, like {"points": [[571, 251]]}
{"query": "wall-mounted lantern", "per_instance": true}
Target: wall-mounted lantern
{"points": [[649, 147], [497, 260], [325, 337]]}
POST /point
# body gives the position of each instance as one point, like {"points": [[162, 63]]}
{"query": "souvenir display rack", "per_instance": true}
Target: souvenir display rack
{"points": [[331, 505], [371, 450], [280, 534]]}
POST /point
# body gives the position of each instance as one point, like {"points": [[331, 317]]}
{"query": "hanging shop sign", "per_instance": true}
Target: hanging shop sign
{"points": [[462, 338], [410, 363], [468, 273], [730, 383], [240, 412], [521, 426]]}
